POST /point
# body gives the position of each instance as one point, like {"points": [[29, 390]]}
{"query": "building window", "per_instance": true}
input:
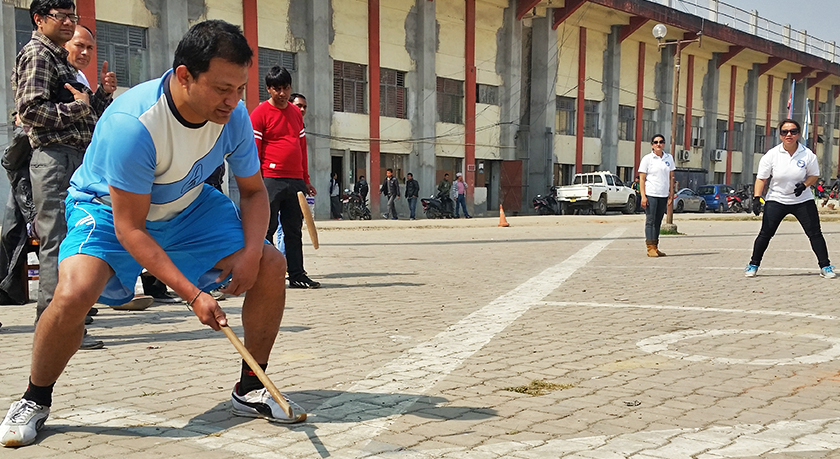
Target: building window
{"points": [[349, 84], [565, 124], [760, 140], [392, 93], [23, 28], [737, 136], [837, 117], [648, 124], [722, 134], [626, 122], [395, 162], [486, 94], [125, 49], [591, 118], [696, 129], [450, 101], [268, 58]]}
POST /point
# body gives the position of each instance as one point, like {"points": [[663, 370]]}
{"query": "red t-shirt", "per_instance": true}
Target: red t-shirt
{"points": [[281, 141]]}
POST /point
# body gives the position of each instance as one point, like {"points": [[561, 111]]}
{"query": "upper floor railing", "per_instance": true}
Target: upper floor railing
{"points": [[752, 23]]}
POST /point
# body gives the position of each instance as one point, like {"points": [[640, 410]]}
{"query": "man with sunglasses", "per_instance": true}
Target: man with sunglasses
{"points": [[59, 120], [788, 171]]}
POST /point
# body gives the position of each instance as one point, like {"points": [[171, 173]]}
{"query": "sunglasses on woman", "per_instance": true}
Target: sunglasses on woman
{"points": [[785, 132], [658, 142]]}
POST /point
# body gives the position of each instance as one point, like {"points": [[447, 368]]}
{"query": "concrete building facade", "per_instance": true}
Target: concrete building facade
{"points": [[517, 95]]}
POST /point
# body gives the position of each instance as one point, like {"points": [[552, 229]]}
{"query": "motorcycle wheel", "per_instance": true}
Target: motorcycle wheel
{"points": [[736, 207], [542, 210], [432, 213]]}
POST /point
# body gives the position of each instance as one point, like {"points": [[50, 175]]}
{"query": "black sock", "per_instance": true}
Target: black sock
{"points": [[248, 380], [41, 395]]}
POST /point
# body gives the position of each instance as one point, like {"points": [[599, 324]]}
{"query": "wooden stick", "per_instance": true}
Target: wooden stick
{"points": [[272, 389], [310, 222]]}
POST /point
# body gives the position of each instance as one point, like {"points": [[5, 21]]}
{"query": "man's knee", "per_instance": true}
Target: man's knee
{"points": [[273, 263]]}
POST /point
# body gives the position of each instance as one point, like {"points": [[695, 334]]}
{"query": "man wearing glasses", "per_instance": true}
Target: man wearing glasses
{"points": [[58, 119]]}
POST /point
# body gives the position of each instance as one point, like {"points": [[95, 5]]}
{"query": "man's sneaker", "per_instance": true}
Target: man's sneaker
{"points": [[89, 343], [303, 281], [22, 423], [218, 295], [88, 320], [166, 297], [750, 270], [138, 303], [259, 404], [828, 272]]}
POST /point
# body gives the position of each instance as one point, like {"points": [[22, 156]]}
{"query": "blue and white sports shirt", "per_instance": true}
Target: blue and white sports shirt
{"points": [[142, 145]]}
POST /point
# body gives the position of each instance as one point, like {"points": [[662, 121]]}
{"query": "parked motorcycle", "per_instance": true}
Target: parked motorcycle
{"points": [[439, 206], [353, 206], [547, 205], [739, 201]]}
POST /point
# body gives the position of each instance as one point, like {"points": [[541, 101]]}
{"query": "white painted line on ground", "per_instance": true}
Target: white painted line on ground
{"points": [[815, 270], [659, 345], [804, 315], [744, 440]]}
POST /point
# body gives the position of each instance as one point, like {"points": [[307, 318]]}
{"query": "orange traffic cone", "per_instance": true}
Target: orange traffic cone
{"points": [[502, 220]]}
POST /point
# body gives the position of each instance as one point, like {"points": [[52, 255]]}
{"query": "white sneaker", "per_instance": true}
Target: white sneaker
{"points": [[259, 404], [22, 423], [828, 272]]}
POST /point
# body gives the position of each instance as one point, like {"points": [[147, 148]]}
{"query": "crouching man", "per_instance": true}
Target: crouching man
{"points": [[139, 200]]}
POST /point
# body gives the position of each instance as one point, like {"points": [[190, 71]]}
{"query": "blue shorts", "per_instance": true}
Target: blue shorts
{"points": [[195, 240]]}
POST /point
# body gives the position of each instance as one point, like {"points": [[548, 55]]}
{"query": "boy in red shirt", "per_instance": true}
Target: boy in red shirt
{"points": [[281, 143]]}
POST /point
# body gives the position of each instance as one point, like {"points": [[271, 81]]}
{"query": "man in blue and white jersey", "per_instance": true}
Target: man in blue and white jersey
{"points": [[139, 200]]}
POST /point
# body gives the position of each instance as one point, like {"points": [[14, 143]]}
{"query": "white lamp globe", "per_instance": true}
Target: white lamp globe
{"points": [[659, 31]]}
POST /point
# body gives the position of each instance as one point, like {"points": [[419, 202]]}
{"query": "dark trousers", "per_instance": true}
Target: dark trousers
{"points": [[335, 206], [282, 198], [461, 200], [808, 217], [392, 207], [50, 169], [656, 208], [412, 206]]}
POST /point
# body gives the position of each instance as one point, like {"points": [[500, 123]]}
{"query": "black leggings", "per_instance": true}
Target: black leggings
{"points": [[807, 215]]}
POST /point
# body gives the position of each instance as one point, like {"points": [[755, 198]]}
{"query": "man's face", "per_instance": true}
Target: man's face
{"points": [[409, 177], [215, 93], [60, 32], [80, 48], [280, 96], [301, 104], [389, 174]]}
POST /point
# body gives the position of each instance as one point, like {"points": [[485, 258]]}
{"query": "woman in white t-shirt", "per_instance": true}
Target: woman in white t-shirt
{"points": [[791, 169], [656, 185]]}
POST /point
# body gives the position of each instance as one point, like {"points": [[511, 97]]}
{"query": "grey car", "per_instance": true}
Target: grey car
{"points": [[686, 200]]}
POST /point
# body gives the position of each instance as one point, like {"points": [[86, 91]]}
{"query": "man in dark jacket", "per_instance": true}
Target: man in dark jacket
{"points": [[361, 187], [412, 191], [391, 189]]}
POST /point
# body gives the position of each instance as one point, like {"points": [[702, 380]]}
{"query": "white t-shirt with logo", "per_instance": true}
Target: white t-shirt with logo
{"points": [[658, 170], [786, 171]]}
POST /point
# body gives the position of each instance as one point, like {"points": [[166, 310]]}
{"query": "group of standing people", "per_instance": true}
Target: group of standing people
{"points": [[785, 176]]}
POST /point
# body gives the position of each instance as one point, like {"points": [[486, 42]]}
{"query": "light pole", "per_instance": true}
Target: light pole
{"points": [[659, 32]]}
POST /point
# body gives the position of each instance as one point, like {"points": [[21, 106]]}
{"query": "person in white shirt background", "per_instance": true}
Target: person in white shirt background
{"points": [[788, 170], [656, 186]]}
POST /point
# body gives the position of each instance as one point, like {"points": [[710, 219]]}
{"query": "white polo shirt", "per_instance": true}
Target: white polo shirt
{"points": [[786, 171], [658, 170]]}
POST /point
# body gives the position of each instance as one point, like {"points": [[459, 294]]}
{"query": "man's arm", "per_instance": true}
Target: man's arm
{"points": [[35, 79], [130, 211]]}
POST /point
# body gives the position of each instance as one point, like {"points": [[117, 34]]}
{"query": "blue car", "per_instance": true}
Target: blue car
{"points": [[715, 196]]}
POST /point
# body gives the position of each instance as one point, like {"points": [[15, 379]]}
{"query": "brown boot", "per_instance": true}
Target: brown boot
{"points": [[658, 252], [651, 249]]}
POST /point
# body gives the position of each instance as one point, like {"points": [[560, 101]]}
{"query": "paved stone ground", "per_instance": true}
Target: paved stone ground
{"points": [[421, 327]]}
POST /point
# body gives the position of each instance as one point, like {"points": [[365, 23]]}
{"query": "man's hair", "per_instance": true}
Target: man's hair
{"points": [[389, 170], [42, 7], [361, 177], [446, 175], [278, 77], [296, 95], [791, 121], [209, 39], [93, 35], [409, 175], [334, 175], [657, 135]]}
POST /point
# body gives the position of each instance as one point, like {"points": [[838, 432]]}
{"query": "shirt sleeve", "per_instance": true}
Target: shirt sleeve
{"points": [[131, 168], [813, 167], [258, 125], [643, 165], [765, 167], [244, 159], [35, 78], [304, 156]]}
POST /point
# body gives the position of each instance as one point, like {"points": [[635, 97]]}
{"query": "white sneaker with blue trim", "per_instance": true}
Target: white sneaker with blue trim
{"points": [[750, 270], [828, 272]]}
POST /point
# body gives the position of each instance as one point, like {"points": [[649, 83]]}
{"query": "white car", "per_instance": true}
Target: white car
{"points": [[686, 200]]}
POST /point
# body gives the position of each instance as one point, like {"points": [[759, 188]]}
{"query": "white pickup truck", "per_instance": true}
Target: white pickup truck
{"points": [[598, 191]]}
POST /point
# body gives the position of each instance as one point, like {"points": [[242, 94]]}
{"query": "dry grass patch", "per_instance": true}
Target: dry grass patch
{"points": [[538, 388]]}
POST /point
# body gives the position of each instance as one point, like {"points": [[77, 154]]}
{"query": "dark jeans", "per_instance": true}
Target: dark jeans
{"points": [[807, 215], [656, 208], [50, 169], [392, 207], [412, 205], [461, 200], [335, 206], [282, 198]]}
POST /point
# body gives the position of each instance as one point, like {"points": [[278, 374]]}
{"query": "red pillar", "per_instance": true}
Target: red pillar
{"points": [[815, 126], [469, 97], [373, 69], [640, 105], [581, 95], [733, 77], [689, 98], [86, 9], [249, 28]]}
